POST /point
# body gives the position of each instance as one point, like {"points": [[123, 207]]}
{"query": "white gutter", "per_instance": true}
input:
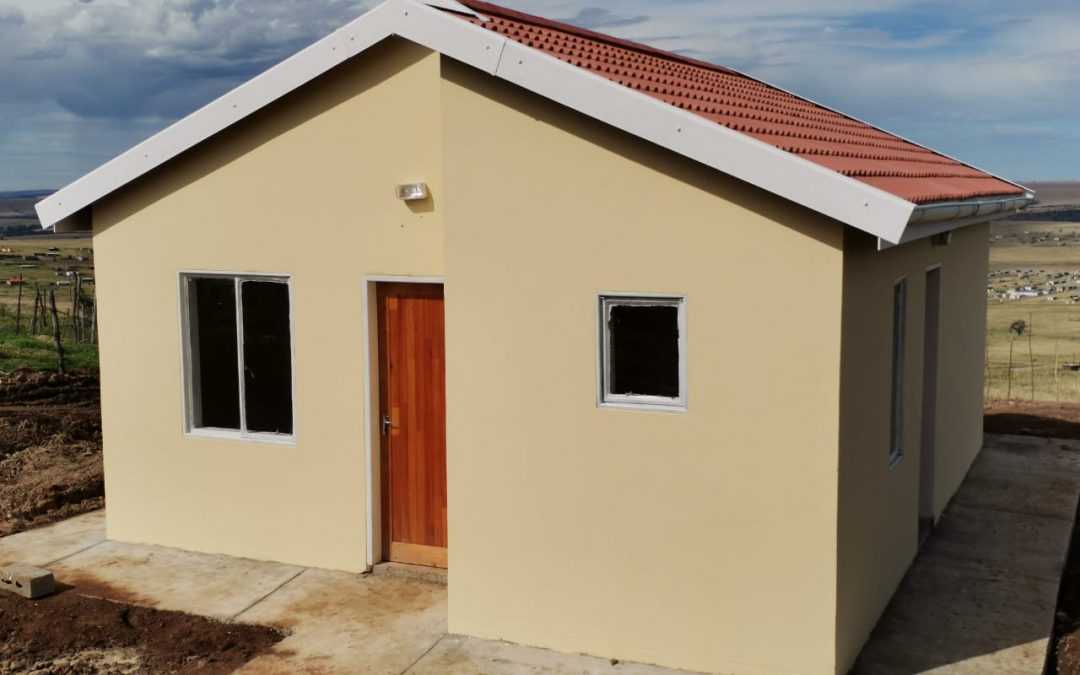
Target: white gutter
{"points": [[987, 206], [930, 219]]}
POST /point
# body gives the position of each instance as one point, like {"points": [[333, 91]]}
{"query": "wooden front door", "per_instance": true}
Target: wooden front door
{"points": [[412, 402]]}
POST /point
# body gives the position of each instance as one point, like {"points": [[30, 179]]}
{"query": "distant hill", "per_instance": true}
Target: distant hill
{"points": [[17, 215], [1055, 202], [26, 194], [1056, 193]]}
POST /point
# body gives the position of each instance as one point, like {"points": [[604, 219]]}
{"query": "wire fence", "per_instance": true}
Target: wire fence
{"points": [[1027, 381]]}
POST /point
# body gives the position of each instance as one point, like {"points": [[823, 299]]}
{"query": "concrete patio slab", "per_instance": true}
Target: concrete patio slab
{"points": [[470, 656], [166, 578], [981, 595], [348, 623], [979, 598], [43, 547]]}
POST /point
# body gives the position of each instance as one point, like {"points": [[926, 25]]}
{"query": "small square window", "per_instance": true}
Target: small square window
{"points": [[238, 356], [642, 352]]}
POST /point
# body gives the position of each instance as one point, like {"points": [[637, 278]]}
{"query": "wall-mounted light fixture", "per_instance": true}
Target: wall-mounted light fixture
{"points": [[411, 192]]}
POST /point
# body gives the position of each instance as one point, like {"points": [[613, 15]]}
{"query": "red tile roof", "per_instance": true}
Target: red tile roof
{"points": [[741, 103]]}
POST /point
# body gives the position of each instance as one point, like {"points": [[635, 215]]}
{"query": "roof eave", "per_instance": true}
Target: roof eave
{"points": [[937, 217]]}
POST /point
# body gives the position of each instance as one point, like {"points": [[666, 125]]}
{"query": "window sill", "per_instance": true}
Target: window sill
{"points": [[648, 406], [230, 435]]}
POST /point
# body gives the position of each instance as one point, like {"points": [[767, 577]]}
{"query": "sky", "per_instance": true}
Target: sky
{"points": [[995, 83]]}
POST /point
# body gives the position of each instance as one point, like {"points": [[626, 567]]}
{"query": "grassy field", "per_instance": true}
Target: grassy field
{"points": [[1049, 246], [43, 262], [47, 268], [37, 353], [1041, 250]]}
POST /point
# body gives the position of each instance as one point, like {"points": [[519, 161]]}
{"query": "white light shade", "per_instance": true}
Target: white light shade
{"points": [[411, 192]]}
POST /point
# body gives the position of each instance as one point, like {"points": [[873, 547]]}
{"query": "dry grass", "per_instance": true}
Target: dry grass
{"points": [[1054, 327]]}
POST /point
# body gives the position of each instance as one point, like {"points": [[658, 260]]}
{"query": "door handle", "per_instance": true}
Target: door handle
{"points": [[387, 424]]}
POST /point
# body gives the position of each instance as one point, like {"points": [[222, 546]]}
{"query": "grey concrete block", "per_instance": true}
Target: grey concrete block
{"points": [[27, 580]]}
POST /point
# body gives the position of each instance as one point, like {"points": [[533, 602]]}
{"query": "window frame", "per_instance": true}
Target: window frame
{"points": [[188, 371], [898, 366], [604, 397]]}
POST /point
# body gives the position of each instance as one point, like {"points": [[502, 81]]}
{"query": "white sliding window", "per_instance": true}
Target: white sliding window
{"points": [[238, 356]]}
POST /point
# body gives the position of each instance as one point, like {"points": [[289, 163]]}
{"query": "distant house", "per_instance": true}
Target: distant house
{"points": [[463, 287]]}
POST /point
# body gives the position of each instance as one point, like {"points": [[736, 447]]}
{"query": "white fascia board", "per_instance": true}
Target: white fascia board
{"points": [[219, 114], [924, 230], [460, 40], [930, 219]]}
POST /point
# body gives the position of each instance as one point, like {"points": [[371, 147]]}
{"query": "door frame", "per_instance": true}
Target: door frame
{"points": [[929, 399], [372, 447]]}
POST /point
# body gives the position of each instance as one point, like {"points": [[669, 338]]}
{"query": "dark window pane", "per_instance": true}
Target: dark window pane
{"points": [[645, 350], [899, 348], [267, 357], [213, 350]]}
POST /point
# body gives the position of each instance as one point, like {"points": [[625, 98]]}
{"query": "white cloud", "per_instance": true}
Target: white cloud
{"points": [[969, 75]]}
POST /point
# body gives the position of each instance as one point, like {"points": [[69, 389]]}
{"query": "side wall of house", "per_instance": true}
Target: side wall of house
{"points": [[685, 539], [303, 188], [879, 503]]}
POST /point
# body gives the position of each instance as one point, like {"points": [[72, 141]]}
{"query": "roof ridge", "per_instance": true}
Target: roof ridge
{"points": [[488, 8]]}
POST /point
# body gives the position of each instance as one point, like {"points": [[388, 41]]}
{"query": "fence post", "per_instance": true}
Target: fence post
{"points": [[34, 318], [18, 308], [1057, 384], [44, 311], [1008, 394], [76, 310], [56, 332], [1031, 357]]}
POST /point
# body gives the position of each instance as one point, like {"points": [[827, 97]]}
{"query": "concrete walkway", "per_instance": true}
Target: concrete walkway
{"points": [[980, 598], [336, 622], [981, 595]]}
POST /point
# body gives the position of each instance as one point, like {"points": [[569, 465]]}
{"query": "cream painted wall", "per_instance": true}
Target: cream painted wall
{"points": [[303, 188], [879, 505], [686, 539]]}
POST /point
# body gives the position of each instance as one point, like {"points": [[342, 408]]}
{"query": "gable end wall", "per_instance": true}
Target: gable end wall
{"points": [[684, 539], [305, 188]]}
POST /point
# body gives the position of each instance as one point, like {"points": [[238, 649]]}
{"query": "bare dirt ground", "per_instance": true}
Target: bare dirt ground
{"points": [[1051, 420], [50, 448], [69, 633], [51, 469]]}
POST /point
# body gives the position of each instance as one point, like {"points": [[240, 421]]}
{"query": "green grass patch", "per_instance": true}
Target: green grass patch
{"points": [[36, 352]]}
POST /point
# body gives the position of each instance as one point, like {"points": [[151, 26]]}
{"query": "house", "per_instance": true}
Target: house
{"points": [[452, 287]]}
